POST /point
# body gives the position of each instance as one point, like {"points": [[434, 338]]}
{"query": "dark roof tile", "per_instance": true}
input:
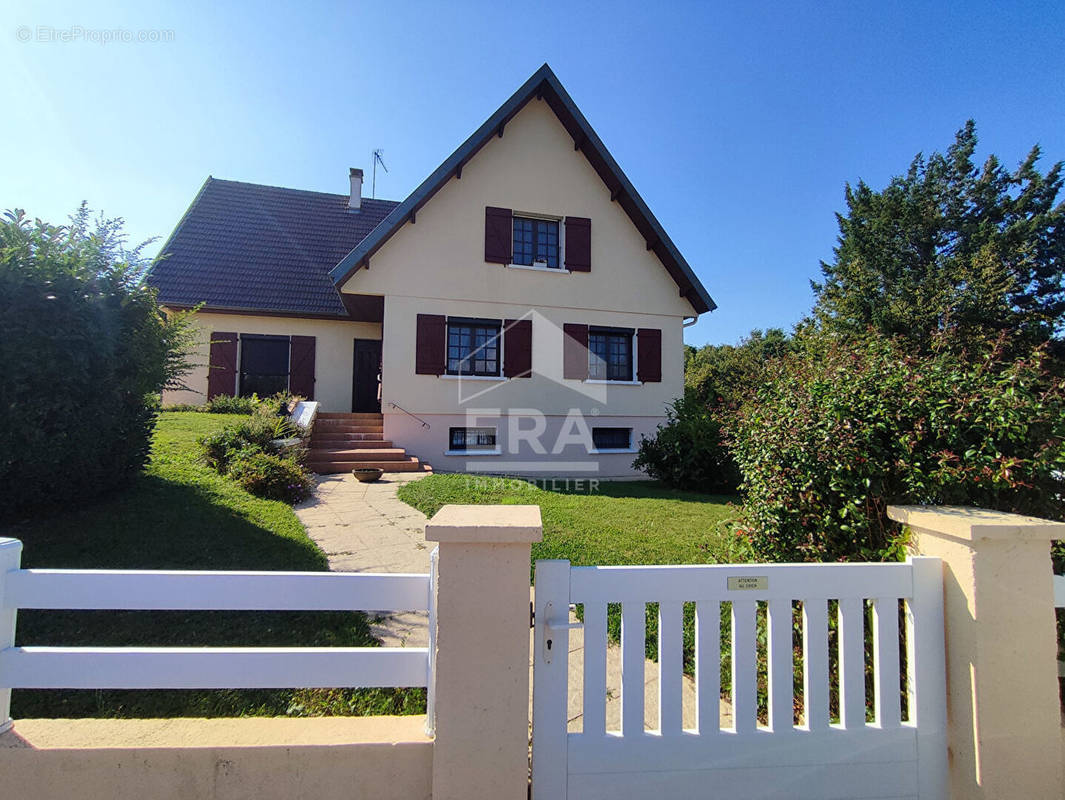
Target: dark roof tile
{"points": [[248, 246]]}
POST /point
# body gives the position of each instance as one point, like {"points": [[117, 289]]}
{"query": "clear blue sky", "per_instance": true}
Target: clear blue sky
{"points": [[739, 123]]}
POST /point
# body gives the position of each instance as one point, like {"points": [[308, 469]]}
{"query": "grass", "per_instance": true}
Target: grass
{"points": [[179, 514], [622, 522]]}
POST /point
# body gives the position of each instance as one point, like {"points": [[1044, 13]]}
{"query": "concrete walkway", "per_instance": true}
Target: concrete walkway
{"points": [[365, 527]]}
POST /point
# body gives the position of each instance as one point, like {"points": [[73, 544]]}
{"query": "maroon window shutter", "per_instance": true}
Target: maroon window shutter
{"points": [[222, 369], [649, 355], [517, 348], [301, 366], [498, 229], [575, 351], [578, 244], [430, 344]]}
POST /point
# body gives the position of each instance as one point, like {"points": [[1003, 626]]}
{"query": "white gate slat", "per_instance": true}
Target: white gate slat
{"points": [[166, 590], [851, 642], [926, 661], [781, 667], [633, 624], [594, 719], [708, 666], [815, 663], [212, 668], [744, 666], [886, 683], [551, 685], [654, 584], [670, 668]]}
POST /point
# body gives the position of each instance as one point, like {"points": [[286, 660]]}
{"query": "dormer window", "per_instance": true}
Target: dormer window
{"points": [[535, 242]]}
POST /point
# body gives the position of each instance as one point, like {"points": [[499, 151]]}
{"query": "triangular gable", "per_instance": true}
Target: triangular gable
{"points": [[546, 86]]}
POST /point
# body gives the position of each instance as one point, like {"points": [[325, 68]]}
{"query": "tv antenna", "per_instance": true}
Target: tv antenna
{"points": [[377, 160]]}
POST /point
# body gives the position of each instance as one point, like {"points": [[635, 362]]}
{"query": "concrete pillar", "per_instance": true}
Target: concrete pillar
{"points": [[1003, 719], [482, 650], [10, 558]]}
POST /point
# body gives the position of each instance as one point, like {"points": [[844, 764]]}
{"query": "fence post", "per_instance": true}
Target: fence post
{"points": [[10, 557], [482, 650], [1003, 722]]}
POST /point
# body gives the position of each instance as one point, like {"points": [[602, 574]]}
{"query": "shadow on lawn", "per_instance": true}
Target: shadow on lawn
{"points": [[647, 490], [201, 522]]}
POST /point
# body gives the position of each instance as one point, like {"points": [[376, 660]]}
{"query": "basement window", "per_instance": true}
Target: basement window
{"points": [[471, 440], [612, 438]]}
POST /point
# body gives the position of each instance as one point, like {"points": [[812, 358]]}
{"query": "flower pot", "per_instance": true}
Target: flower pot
{"points": [[367, 474]]}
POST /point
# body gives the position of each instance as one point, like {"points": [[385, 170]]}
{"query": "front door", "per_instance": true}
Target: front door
{"points": [[366, 377]]}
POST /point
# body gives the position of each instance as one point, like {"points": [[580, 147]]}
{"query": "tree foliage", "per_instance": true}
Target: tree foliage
{"points": [[981, 249], [84, 349], [844, 426]]}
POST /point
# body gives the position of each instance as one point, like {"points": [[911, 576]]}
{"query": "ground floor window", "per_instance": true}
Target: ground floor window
{"points": [[264, 365], [473, 347], [610, 354], [472, 439], [612, 438]]}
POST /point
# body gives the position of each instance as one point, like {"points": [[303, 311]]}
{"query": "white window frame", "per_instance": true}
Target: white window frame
{"points": [[561, 269], [635, 364], [498, 451], [609, 450]]}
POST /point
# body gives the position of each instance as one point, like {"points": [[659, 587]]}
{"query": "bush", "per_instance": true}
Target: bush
{"points": [[843, 428], [688, 452], [84, 351], [271, 476], [253, 434], [226, 404]]}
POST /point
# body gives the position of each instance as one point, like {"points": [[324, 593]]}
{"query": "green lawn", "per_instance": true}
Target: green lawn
{"points": [[622, 522], [179, 514]]}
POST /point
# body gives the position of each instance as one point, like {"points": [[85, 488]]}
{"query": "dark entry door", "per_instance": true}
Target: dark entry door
{"points": [[364, 376]]}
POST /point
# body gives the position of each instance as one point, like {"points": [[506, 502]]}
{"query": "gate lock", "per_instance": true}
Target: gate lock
{"points": [[550, 626]]}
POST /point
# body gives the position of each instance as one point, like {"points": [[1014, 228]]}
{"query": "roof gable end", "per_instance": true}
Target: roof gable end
{"points": [[546, 86]]}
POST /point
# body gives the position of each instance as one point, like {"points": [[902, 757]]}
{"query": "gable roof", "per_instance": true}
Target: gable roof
{"points": [[546, 86], [248, 247]]}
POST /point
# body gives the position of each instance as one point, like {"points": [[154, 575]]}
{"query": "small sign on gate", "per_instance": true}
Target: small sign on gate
{"points": [[741, 583]]}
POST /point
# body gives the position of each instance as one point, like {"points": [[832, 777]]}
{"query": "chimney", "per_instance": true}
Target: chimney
{"points": [[355, 199]]}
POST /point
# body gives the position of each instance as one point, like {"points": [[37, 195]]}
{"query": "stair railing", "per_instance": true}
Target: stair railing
{"points": [[412, 416]]}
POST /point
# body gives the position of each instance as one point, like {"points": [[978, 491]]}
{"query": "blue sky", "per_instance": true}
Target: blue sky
{"points": [[739, 123]]}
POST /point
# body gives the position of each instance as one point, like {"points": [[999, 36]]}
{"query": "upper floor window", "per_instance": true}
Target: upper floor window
{"points": [[473, 347], [535, 242], [609, 354]]}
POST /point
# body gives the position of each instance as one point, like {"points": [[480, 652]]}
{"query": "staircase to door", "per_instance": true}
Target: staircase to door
{"points": [[342, 442]]}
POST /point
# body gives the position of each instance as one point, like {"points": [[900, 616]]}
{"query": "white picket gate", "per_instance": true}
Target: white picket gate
{"points": [[900, 753]]}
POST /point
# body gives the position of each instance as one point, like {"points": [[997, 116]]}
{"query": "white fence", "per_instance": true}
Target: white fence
{"points": [[894, 755], [203, 667]]}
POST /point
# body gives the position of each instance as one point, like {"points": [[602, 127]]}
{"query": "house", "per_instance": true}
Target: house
{"points": [[521, 311]]}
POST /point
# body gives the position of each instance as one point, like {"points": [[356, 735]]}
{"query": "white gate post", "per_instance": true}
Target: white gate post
{"points": [[927, 680], [10, 557], [481, 694], [1003, 723], [550, 658]]}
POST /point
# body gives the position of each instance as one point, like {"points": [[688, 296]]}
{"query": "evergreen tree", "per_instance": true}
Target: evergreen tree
{"points": [[980, 249]]}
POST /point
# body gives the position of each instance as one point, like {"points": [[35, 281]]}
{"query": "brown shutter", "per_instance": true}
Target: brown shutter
{"points": [[301, 366], [430, 344], [649, 355], [498, 229], [517, 348], [579, 244], [575, 351], [222, 369]]}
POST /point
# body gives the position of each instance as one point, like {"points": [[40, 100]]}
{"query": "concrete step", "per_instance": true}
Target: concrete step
{"points": [[348, 427], [411, 464], [368, 454], [359, 416], [345, 436], [348, 444]]}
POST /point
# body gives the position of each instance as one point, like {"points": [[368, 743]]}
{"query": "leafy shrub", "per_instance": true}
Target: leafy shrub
{"points": [[84, 350], [271, 476], [847, 426], [252, 434], [226, 404], [688, 451], [183, 407]]}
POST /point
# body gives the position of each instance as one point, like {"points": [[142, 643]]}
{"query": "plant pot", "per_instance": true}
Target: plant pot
{"points": [[367, 474]]}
